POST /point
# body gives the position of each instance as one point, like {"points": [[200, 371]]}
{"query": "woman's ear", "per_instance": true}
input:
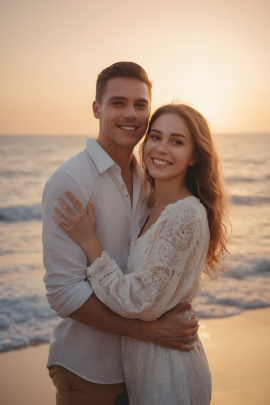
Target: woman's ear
{"points": [[193, 160], [96, 109]]}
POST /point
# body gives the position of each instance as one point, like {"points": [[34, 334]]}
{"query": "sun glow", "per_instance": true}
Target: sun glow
{"points": [[210, 55]]}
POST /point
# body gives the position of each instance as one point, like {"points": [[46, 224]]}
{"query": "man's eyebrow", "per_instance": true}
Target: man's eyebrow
{"points": [[140, 100], [117, 98], [172, 134]]}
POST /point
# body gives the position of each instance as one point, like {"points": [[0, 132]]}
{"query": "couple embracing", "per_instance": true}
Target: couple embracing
{"points": [[125, 247]]}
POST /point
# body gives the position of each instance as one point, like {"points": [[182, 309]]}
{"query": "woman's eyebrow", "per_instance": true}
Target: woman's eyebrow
{"points": [[172, 134], [178, 135]]}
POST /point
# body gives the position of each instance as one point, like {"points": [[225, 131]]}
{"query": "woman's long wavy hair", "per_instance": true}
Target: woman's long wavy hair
{"points": [[204, 179]]}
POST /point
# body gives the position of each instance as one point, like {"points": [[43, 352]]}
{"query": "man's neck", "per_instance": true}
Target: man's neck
{"points": [[123, 157], [120, 155]]}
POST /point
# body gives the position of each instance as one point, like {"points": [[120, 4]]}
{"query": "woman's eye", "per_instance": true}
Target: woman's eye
{"points": [[154, 137], [175, 142]]}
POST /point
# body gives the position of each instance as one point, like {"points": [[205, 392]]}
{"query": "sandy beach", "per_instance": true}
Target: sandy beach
{"points": [[238, 350]]}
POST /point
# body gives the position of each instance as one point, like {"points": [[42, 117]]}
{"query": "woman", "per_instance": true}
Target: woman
{"points": [[183, 236]]}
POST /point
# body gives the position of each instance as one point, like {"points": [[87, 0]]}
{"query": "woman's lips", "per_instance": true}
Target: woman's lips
{"points": [[160, 162]]}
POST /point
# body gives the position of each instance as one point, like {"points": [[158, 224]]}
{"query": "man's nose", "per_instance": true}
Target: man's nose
{"points": [[130, 112]]}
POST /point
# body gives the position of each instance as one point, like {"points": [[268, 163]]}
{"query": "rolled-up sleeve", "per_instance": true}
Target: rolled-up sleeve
{"points": [[65, 262]]}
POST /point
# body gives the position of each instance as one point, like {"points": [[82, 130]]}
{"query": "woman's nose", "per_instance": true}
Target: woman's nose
{"points": [[161, 147]]}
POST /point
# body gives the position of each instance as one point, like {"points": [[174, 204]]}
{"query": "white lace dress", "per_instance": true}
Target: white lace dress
{"points": [[164, 268]]}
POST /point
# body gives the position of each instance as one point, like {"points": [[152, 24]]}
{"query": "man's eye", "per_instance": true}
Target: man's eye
{"points": [[117, 103], [141, 106]]}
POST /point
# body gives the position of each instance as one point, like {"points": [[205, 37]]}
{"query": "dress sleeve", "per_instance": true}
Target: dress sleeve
{"points": [[153, 288]]}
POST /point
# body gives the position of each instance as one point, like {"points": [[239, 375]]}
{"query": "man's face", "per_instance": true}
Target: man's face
{"points": [[123, 113]]}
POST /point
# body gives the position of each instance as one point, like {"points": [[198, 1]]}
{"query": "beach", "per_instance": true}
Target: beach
{"points": [[52, 72], [234, 313], [238, 352], [237, 348]]}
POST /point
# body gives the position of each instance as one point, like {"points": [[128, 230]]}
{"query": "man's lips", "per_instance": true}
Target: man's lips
{"points": [[127, 127]]}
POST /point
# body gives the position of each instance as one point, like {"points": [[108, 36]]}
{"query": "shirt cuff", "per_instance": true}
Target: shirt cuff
{"points": [[77, 296]]}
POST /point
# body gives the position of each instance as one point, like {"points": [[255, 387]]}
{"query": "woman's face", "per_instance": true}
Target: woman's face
{"points": [[169, 148]]}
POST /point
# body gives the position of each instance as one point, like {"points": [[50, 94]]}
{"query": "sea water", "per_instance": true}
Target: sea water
{"points": [[25, 165]]}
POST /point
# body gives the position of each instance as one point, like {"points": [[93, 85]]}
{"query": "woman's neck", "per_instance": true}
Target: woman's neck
{"points": [[168, 192]]}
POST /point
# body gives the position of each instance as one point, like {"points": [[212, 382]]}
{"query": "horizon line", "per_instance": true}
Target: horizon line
{"points": [[93, 136]]}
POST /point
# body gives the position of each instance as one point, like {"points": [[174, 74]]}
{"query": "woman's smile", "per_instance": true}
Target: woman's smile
{"points": [[161, 163], [169, 149]]}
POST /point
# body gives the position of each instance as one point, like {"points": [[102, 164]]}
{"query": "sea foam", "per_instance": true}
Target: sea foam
{"points": [[19, 213]]}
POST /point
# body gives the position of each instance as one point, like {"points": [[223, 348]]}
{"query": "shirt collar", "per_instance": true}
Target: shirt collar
{"points": [[104, 162], [101, 158]]}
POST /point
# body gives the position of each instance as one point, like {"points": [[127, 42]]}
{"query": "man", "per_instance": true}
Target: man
{"points": [[85, 357]]}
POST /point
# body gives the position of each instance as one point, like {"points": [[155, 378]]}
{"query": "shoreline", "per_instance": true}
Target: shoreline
{"points": [[237, 348]]}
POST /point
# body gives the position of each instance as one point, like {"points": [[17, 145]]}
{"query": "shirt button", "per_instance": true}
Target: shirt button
{"points": [[123, 186]]}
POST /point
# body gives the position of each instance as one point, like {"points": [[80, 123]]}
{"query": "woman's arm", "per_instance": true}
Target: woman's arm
{"points": [[170, 331], [150, 291], [171, 270]]}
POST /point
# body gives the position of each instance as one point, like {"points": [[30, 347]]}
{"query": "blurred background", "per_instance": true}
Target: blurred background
{"points": [[213, 55]]}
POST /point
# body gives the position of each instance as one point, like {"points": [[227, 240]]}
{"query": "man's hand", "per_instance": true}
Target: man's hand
{"points": [[174, 331], [171, 330]]}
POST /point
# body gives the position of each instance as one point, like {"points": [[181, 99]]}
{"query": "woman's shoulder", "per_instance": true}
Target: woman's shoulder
{"points": [[189, 206], [183, 220], [188, 211]]}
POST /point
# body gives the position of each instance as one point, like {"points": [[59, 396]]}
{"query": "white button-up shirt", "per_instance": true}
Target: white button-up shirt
{"points": [[92, 354]]}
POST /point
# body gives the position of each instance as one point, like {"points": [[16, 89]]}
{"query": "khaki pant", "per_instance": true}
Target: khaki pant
{"points": [[74, 390]]}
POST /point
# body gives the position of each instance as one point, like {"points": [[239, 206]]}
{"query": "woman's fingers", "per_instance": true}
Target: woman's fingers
{"points": [[66, 207], [60, 223], [63, 219], [75, 201], [72, 221], [91, 211], [91, 207]]}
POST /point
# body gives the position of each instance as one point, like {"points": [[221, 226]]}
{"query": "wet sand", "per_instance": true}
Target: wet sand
{"points": [[238, 350]]}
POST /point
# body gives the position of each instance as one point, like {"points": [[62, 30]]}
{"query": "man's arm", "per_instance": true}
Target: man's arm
{"points": [[170, 330], [64, 261], [70, 296]]}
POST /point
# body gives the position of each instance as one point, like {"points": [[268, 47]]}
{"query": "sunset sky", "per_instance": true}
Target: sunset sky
{"points": [[212, 54]]}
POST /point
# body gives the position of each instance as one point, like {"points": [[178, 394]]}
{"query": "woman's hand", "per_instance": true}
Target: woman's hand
{"points": [[80, 226]]}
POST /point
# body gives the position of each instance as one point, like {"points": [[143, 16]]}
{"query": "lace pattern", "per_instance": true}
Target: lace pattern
{"points": [[164, 268]]}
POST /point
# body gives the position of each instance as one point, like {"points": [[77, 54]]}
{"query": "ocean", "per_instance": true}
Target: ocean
{"points": [[25, 165]]}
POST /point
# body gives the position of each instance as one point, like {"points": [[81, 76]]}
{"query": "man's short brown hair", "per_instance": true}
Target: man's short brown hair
{"points": [[121, 69]]}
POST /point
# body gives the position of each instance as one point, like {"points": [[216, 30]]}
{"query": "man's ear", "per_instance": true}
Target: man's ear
{"points": [[96, 109]]}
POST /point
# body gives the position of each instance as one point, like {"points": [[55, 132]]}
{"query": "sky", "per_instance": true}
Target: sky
{"points": [[211, 54]]}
